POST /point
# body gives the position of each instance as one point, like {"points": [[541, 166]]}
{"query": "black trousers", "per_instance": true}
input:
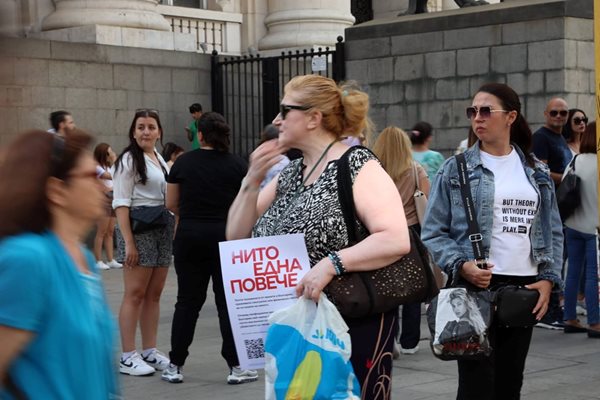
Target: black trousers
{"points": [[372, 341], [499, 377], [196, 250]]}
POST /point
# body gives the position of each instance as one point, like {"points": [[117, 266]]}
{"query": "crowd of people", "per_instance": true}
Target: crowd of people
{"points": [[176, 206]]}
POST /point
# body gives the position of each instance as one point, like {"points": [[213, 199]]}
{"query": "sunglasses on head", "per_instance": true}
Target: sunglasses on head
{"points": [[147, 110], [578, 120], [484, 112], [284, 109], [554, 113]]}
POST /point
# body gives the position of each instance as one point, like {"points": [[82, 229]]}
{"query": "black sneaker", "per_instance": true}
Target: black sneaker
{"points": [[549, 322]]}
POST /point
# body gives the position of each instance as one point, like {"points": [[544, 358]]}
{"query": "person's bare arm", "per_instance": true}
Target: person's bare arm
{"points": [[379, 206], [13, 341]]}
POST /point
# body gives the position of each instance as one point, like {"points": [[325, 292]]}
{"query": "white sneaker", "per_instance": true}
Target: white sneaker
{"points": [[238, 375], [135, 366], [114, 264], [409, 351], [173, 374], [101, 265], [157, 360]]}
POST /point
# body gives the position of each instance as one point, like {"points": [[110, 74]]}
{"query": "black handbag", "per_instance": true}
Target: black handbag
{"points": [[568, 194], [407, 280], [145, 219], [514, 306]]}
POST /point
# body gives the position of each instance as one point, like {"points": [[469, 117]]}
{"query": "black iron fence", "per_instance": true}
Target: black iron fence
{"points": [[247, 90]]}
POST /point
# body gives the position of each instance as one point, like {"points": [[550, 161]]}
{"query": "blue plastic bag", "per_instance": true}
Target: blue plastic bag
{"points": [[307, 354]]}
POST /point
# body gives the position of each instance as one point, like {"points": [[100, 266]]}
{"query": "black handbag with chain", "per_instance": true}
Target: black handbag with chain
{"points": [[407, 280]]}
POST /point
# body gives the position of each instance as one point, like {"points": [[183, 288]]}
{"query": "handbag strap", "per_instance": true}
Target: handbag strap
{"points": [[572, 163], [344, 182], [475, 236], [416, 175]]}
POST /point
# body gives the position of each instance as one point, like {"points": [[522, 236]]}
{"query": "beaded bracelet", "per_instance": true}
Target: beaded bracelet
{"points": [[337, 263]]}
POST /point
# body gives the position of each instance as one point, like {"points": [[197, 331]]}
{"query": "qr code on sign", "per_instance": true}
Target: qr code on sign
{"points": [[255, 348]]}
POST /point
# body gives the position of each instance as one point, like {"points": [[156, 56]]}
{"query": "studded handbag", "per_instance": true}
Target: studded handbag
{"points": [[409, 279]]}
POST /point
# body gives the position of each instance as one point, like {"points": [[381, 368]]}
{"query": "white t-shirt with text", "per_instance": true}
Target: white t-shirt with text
{"points": [[515, 205]]}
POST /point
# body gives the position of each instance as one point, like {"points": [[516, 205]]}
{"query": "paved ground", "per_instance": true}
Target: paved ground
{"points": [[559, 367]]}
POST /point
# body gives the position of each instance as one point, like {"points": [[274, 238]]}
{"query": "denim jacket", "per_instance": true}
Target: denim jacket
{"points": [[445, 230]]}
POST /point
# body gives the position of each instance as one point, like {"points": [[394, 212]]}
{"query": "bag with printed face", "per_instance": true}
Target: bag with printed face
{"points": [[459, 321], [307, 354]]}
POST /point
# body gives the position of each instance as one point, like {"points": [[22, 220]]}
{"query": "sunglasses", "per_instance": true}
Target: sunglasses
{"points": [[578, 120], [554, 113], [484, 112], [284, 109], [147, 110], [85, 174]]}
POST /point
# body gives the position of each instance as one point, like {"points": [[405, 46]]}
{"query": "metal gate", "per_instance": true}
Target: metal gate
{"points": [[247, 90]]}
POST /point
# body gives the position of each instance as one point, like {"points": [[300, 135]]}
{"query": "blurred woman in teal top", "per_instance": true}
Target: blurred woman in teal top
{"points": [[56, 330]]}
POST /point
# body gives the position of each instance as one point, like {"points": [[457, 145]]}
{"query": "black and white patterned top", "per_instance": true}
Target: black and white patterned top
{"points": [[315, 210]]}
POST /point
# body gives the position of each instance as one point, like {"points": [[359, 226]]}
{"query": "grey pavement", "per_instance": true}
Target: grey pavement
{"points": [[559, 367]]}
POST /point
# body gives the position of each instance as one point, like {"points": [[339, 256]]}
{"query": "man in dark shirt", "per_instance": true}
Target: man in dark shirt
{"points": [[551, 147], [548, 143]]}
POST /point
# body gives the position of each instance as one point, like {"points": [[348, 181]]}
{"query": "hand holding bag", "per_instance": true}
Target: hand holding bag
{"points": [[307, 354], [407, 280], [514, 306]]}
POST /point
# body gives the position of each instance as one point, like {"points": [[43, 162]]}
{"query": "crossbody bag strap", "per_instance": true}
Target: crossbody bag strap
{"points": [[344, 182], [475, 236], [416, 174]]}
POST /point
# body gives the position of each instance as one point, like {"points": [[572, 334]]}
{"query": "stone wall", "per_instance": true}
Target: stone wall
{"points": [[428, 66], [101, 86]]}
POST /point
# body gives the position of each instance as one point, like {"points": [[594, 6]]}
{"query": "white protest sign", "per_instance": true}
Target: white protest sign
{"points": [[259, 276]]}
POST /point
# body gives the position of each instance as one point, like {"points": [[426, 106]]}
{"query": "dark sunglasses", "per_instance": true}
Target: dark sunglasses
{"points": [[554, 113], [578, 120], [284, 109], [484, 112]]}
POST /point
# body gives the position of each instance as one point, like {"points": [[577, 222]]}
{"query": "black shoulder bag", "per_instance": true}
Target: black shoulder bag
{"points": [[568, 194], [407, 280]]}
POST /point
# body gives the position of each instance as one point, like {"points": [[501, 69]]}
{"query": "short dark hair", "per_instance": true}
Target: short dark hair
{"points": [[196, 107], [214, 130], [588, 139], [171, 148], [56, 117], [269, 132]]}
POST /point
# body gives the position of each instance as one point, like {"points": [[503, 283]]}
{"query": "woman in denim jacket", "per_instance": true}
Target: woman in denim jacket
{"points": [[521, 228]]}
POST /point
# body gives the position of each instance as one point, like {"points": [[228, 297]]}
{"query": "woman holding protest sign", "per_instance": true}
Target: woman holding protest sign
{"points": [[201, 186], [303, 198]]}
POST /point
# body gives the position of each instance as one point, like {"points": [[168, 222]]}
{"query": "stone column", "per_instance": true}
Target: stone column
{"points": [[308, 23], [139, 14]]}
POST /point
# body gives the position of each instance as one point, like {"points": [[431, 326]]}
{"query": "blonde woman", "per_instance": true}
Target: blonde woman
{"points": [[315, 114], [393, 148]]}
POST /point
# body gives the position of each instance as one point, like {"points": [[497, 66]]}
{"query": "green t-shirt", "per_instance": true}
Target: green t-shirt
{"points": [[194, 131]]}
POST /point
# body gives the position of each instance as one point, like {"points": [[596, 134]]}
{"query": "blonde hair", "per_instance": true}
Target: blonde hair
{"points": [[393, 149], [345, 108]]}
